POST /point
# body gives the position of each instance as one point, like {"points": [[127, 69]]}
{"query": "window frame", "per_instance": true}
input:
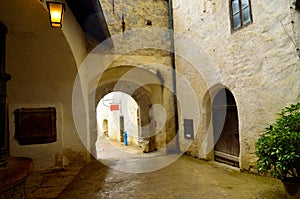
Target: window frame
{"points": [[240, 12]]}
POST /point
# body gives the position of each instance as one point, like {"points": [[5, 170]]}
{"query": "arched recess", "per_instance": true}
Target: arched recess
{"points": [[219, 112], [145, 95], [105, 127], [225, 128]]}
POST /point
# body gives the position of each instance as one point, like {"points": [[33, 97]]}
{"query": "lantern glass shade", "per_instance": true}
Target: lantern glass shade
{"points": [[56, 13]]}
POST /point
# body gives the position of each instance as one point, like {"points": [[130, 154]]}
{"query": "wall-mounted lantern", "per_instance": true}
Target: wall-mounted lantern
{"points": [[56, 13]]}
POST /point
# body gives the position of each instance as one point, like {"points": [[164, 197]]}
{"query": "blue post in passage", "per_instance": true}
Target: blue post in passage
{"points": [[125, 138]]}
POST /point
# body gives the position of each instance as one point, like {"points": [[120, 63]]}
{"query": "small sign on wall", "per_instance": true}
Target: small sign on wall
{"points": [[188, 129], [114, 107]]}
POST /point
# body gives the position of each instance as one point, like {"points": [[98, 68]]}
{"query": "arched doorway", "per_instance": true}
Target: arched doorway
{"points": [[105, 128], [226, 128]]}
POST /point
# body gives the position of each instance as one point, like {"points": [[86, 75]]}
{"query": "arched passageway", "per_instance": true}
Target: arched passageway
{"points": [[117, 112], [225, 128], [150, 135]]}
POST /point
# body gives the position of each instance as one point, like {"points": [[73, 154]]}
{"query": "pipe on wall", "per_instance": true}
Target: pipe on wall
{"points": [[171, 26]]}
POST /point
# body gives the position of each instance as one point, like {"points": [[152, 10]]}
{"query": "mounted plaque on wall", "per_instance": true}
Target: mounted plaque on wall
{"points": [[35, 125], [188, 129]]}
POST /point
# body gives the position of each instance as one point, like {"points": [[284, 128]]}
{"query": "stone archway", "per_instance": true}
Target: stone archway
{"points": [[144, 95], [220, 110], [143, 98]]}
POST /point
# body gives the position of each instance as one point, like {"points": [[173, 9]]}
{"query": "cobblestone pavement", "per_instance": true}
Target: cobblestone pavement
{"points": [[185, 178]]}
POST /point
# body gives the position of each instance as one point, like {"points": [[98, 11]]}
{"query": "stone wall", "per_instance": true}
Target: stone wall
{"points": [[257, 63], [132, 20], [141, 39], [136, 14]]}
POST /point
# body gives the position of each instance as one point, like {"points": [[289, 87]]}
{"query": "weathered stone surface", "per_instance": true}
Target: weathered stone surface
{"points": [[16, 192], [72, 157], [258, 64], [141, 21], [13, 176], [142, 43], [136, 14], [50, 183]]}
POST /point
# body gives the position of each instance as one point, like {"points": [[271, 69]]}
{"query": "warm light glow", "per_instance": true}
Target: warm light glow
{"points": [[56, 13], [55, 16]]}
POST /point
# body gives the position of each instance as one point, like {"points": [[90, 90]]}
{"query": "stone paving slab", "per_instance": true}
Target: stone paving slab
{"points": [[50, 183]]}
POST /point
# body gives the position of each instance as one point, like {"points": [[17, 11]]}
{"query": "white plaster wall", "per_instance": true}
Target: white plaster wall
{"points": [[43, 69], [73, 34], [258, 63], [128, 109], [44, 155]]}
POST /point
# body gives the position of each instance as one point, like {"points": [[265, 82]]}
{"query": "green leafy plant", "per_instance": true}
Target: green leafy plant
{"points": [[278, 148]]}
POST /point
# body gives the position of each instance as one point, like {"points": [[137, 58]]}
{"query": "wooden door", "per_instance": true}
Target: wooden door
{"points": [[225, 125]]}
